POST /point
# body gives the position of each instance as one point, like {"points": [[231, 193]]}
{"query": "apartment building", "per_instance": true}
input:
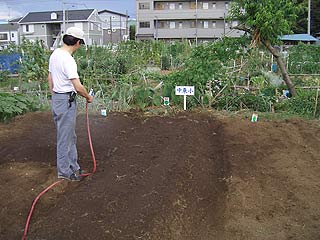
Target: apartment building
{"points": [[197, 20]]}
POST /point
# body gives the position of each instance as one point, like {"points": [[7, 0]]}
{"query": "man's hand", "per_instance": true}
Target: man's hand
{"points": [[89, 99]]}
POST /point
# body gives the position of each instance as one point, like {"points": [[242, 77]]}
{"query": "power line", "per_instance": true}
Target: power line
{"points": [[59, 4]]}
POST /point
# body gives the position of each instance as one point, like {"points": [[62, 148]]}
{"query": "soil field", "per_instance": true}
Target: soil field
{"points": [[189, 176]]}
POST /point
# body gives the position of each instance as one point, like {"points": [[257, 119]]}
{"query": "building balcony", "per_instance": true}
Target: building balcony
{"points": [[183, 14]]}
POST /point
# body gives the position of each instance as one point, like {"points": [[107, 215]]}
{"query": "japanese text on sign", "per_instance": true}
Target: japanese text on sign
{"points": [[184, 90]]}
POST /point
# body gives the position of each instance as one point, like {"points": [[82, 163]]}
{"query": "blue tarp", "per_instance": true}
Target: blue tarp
{"points": [[9, 62], [299, 37]]}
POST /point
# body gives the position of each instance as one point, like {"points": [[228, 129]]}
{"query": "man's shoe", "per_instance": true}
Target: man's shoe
{"points": [[80, 172], [73, 177]]}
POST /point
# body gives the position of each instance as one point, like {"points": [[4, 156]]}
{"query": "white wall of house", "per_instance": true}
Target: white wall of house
{"points": [[115, 27], [7, 37]]}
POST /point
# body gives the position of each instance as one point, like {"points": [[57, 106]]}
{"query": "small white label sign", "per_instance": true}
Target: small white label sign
{"points": [[185, 90]]}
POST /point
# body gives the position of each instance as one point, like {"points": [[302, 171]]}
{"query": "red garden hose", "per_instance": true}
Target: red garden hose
{"points": [[55, 183]]}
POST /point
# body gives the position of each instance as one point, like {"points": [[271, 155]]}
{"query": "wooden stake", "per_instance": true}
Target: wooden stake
{"points": [[316, 104]]}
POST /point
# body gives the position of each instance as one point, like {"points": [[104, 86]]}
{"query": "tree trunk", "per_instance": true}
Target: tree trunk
{"points": [[282, 68]]}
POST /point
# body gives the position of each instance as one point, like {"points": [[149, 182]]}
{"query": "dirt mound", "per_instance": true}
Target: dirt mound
{"points": [[188, 176]]}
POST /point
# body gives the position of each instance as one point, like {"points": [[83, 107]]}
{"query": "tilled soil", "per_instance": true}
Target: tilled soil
{"points": [[191, 175]]}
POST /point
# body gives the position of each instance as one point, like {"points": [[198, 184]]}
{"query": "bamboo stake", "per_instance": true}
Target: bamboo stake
{"points": [[309, 87], [308, 75], [218, 94], [316, 104]]}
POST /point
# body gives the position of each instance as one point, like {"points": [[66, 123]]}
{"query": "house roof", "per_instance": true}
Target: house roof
{"points": [[15, 20], [8, 27], [112, 12], [71, 15], [299, 37]]}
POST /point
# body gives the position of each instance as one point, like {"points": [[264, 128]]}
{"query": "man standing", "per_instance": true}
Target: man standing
{"points": [[64, 84]]}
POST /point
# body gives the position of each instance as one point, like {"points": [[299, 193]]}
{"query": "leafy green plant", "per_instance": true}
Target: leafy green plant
{"points": [[304, 104], [34, 66], [250, 101], [304, 59], [12, 105]]}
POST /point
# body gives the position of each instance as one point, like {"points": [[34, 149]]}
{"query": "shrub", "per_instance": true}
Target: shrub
{"points": [[12, 105]]}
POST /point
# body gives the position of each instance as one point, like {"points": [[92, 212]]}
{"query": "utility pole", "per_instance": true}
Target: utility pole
{"points": [[63, 18], [111, 29], [309, 17], [9, 26], [120, 28], [196, 22], [127, 30], [224, 24], [156, 28]]}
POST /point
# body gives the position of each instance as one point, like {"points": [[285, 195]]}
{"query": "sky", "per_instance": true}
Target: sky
{"points": [[10, 9]]}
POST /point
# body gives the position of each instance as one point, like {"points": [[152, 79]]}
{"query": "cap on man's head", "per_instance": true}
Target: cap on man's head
{"points": [[76, 32]]}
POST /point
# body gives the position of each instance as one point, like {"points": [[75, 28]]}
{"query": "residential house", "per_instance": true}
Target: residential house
{"points": [[199, 20], [115, 26], [9, 34], [49, 26]]}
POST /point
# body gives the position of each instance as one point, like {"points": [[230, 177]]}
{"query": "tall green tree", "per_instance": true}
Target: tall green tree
{"points": [[265, 21], [315, 17], [301, 25]]}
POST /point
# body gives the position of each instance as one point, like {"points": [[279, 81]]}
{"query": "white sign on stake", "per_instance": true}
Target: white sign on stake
{"points": [[185, 91]]}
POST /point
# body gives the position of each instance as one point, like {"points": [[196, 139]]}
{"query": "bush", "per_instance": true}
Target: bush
{"points": [[303, 104], [12, 105], [250, 101]]}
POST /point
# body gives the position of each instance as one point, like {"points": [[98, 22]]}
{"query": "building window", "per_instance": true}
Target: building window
{"points": [[172, 6], [162, 25], [205, 5], [3, 36], [54, 16], [193, 5], [180, 25], [214, 5], [144, 5], [144, 24], [214, 24], [160, 6], [28, 28], [172, 25], [205, 24], [227, 5], [180, 5]]}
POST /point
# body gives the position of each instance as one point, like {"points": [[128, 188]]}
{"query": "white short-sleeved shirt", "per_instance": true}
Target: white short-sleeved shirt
{"points": [[62, 67]]}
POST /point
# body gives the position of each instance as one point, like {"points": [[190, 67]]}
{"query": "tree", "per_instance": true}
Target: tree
{"points": [[132, 31], [301, 25], [315, 17], [265, 21]]}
